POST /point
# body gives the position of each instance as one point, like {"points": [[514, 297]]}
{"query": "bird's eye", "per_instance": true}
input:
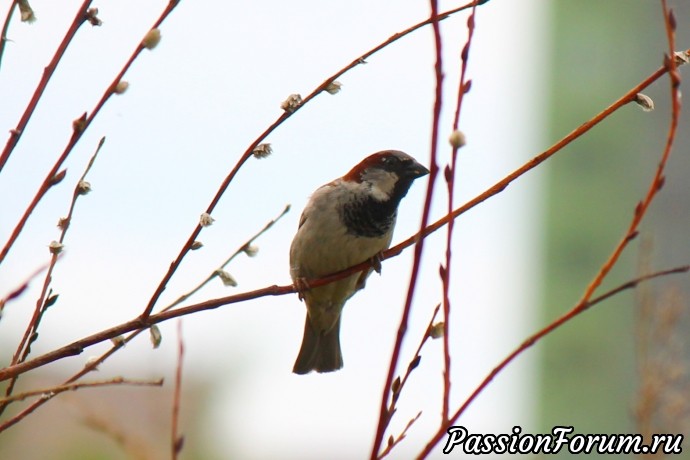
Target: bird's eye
{"points": [[389, 160]]}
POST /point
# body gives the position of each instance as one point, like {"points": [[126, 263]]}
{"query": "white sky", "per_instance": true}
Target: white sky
{"points": [[194, 104]]}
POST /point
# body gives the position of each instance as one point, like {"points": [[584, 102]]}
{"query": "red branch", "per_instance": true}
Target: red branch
{"points": [[384, 415], [24, 345], [279, 121], [79, 127], [140, 323], [16, 133], [177, 440], [450, 172], [657, 182], [5, 28], [577, 310]]}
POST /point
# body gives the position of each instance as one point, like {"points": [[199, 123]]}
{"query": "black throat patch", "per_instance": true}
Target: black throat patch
{"points": [[369, 217]]}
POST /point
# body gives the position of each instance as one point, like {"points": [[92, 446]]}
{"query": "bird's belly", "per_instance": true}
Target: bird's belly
{"points": [[322, 253]]}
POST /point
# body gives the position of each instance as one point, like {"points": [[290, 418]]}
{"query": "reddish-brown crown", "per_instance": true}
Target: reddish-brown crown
{"points": [[377, 159]]}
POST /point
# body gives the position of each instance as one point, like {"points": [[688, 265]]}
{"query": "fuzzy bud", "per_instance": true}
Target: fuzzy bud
{"points": [[151, 39], [457, 139], [225, 277], [156, 337], [262, 150], [645, 102], [91, 363], [196, 245], [251, 250], [25, 11], [118, 341], [436, 331], [63, 223], [83, 187], [206, 220], [121, 87], [334, 87], [681, 57], [55, 247], [292, 103]]}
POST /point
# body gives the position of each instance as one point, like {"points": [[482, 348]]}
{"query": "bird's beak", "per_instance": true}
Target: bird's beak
{"points": [[415, 170]]}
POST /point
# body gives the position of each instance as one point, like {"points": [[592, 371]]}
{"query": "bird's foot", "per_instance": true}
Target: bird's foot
{"points": [[301, 286], [376, 262]]}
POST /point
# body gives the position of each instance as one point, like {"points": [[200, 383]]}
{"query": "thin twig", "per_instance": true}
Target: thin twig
{"points": [[18, 291], [399, 384], [670, 66], [498, 187], [392, 442], [80, 125], [64, 226], [495, 189], [450, 174], [5, 28], [415, 360], [240, 250], [177, 440], [42, 303], [575, 311], [78, 346], [384, 415], [119, 342], [54, 391], [48, 72], [47, 397], [658, 180], [501, 185], [279, 121]]}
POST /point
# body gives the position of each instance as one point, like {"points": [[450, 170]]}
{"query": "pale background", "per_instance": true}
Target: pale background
{"points": [[194, 104]]}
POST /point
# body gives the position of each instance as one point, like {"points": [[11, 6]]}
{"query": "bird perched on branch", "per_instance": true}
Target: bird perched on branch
{"points": [[345, 222]]}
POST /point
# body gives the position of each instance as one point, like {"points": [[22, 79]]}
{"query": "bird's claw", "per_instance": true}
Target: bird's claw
{"points": [[376, 262], [301, 286]]}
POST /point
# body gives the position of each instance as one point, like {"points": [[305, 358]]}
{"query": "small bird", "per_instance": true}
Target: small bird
{"points": [[345, 222]]}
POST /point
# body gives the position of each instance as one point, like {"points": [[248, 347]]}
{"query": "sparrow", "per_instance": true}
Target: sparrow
{"points": [[345, 222]]}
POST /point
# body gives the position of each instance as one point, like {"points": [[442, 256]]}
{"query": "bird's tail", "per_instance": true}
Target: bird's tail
{"points": [[320, 352]]}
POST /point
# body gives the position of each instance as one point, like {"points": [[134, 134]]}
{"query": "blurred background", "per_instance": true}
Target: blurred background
{"points": [[539, 69], [623, 367]]}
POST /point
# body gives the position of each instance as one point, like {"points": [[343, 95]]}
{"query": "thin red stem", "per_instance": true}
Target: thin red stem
{"points": [[384, 415], [6, 27], [176, 438], [279, 121], [77, 347], [83, 125], [575, 311], [586, 301], [24, 346], [48, 72], [450, 179]]}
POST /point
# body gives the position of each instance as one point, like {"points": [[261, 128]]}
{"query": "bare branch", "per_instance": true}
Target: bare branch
{"points": [[177, 440], [384, 416], [54, 391], [534, 338], [250, 151]]}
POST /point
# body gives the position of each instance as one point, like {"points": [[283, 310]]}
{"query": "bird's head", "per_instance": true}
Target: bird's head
{"points": [[389, 174]]}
